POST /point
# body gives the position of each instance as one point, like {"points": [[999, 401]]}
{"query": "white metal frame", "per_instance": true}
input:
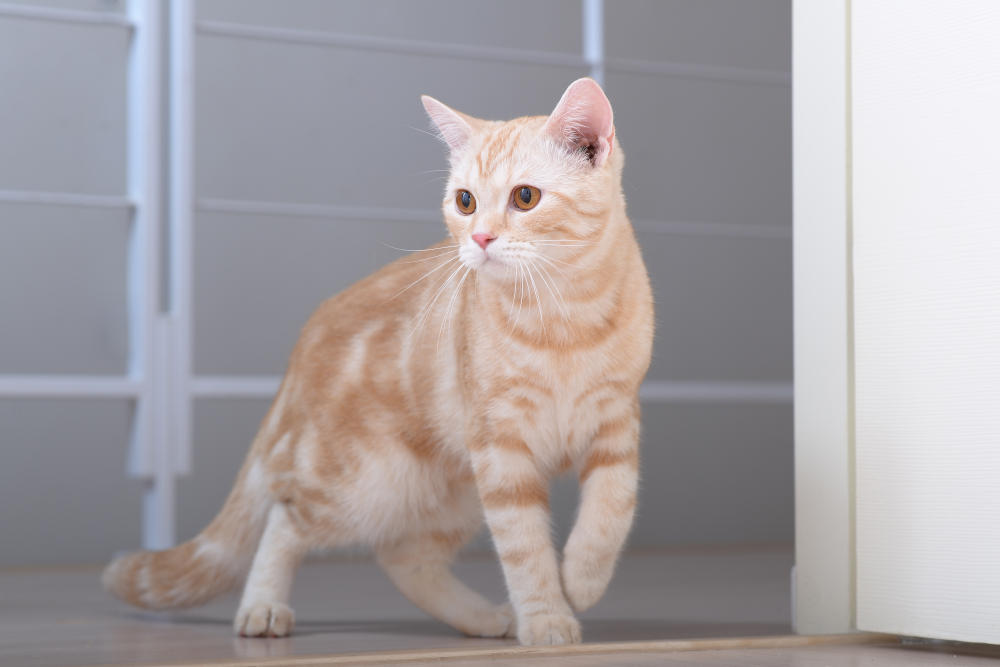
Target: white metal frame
{"points": [[161, 381]]}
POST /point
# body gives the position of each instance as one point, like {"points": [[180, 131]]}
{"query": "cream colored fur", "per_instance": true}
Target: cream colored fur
{"points": [[452, 386]]}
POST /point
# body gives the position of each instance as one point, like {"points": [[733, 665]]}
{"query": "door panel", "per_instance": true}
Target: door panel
{"points": [[926, 170]]}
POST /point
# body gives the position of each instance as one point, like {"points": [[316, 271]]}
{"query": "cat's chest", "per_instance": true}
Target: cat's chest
{"points": [[555, 415]]}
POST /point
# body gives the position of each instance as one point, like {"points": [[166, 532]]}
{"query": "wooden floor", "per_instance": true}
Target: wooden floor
{"points": [[348, 613]]}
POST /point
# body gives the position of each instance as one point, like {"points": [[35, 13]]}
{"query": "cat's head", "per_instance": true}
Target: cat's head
{"points": [[538, 186]]}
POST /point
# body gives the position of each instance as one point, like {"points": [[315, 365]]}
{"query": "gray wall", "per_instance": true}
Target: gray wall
{"points": [[308, 122]]}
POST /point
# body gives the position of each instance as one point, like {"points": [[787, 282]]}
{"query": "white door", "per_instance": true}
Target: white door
{"points": [[925, 115], [897, 317]]}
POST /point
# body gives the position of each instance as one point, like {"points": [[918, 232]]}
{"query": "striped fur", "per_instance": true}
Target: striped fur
{"points": [[450, 386]]}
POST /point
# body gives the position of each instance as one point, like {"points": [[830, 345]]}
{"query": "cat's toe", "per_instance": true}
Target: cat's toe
{"points": [[507, 615], [494, 622], [264, 619], [549, 630], [584, 581]]}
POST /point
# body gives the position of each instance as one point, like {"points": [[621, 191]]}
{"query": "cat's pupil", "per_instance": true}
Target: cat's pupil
{"points": [[525, 195], [466, 199]]}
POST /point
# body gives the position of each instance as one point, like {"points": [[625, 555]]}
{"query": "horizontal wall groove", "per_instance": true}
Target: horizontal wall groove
{"points": [[386, 214], [388, 44], [721, 391], [328, 211], [59, 15], [652, 391], [497, 54], [762, 77], [45, 198], [731, 229]]}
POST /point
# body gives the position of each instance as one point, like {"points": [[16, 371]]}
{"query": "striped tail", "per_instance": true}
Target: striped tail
{"points": [[214, 562]]}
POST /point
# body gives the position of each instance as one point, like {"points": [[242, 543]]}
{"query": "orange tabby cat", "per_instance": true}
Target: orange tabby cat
{"points": [[451, 387]]}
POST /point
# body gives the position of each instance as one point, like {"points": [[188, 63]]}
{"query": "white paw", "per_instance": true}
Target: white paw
{"points": [[548, 630], [264, 619], [496, 622], [584, 583]]}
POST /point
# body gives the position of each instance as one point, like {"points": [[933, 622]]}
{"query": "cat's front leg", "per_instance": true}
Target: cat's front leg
{"points": [[515, 497], [608, 486]]}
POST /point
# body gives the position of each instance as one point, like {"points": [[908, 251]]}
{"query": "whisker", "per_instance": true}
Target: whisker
{"points": [[550, 262], [538, 298], [429, 133], [435, 269], [451, 303], [553, 290], [559, 261], [427, 309], [518, 290], [431, 249], [418, 260]]}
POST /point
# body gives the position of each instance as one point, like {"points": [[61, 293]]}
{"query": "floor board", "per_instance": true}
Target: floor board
{"points": [[62, 617]]}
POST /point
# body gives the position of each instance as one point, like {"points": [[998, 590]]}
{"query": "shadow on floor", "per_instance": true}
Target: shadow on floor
{"points": [[594, 629]]}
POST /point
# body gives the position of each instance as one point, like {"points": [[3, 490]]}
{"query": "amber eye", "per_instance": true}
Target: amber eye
{"points": [[465, 201], [526, 197]]}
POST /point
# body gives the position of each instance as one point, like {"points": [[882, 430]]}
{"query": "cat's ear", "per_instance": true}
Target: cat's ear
{"points": [[455, 127], [584, 120]]}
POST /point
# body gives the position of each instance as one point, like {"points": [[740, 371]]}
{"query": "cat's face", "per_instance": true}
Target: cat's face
{"points": [[527, 192]]}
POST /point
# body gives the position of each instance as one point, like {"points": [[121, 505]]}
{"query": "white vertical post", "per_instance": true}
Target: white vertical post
{"points": [[593, 38], [150, 456], [824, 440], [181, 135]]}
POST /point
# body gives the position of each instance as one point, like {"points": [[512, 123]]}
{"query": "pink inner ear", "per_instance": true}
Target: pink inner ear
{"points": [[454, 127], [583, 118]]}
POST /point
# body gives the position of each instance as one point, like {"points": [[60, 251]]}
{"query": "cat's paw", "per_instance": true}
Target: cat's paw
{"points": [[584, 582], [548, 630], [498, 621], [264, 619]]}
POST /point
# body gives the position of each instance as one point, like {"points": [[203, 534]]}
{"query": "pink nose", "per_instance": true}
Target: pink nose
{"points": [[483, 239]]}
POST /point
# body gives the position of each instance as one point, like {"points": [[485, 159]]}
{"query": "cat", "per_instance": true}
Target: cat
{"points": [[452, 387]]}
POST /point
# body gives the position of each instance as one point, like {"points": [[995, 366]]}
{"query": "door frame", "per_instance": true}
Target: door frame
{"points": [[824, 574]]}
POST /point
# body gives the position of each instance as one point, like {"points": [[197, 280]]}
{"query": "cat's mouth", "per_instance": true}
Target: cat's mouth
{"points": [[488, 259]]}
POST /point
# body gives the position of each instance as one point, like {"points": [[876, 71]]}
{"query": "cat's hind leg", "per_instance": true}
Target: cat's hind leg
{"points": [[264, 610], [420, 566]]}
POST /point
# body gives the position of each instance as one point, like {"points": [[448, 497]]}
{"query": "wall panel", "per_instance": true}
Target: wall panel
{"points": [[63, 106], [723, 307], [64, 496], [550, 25]]}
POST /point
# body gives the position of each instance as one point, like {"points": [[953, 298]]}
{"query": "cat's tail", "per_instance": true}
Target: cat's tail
{"points": [[212, 563]]}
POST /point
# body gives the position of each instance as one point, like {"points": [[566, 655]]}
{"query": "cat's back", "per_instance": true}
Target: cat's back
{"points": [[388, 297]]}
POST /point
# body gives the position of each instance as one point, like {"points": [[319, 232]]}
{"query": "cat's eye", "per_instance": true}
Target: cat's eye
{"points": [[526, 197], [465, 201]]}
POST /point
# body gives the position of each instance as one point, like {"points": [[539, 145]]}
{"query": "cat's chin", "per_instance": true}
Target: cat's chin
{"points": [[494, 268]]}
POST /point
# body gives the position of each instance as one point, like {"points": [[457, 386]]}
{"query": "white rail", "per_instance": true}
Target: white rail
{"points": [[181, 170], [149, 456], [593, 38], [68, 386]]}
